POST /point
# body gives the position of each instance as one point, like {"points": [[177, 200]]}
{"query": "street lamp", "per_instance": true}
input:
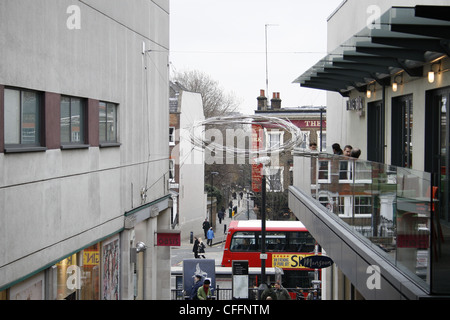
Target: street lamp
{"points": [[213, 173], [264, 161]]}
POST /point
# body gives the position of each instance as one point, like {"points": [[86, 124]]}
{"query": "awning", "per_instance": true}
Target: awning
{"points": [[402, 39]]}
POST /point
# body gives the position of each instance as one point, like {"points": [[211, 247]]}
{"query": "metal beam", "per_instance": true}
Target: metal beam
{"points": [[361, 66], [393, 52], [438, 31], [433, 12], [377, 60], [411, 43]]}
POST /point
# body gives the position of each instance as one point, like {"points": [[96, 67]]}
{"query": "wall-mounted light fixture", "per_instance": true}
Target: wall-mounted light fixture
{"points": [[431, 73], [369, 91], [140, 247], [431, 77], [398, 79]]}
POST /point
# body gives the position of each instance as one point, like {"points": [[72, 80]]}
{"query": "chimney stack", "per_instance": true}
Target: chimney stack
{"points": [[276, 101], [262, 101]]}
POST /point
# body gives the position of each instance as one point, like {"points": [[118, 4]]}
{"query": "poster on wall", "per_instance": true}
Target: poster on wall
{"points": [[202, 267], [111, 269]]}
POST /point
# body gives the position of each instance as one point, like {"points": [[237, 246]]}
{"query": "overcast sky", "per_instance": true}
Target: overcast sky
{"points": [[225, 39]]}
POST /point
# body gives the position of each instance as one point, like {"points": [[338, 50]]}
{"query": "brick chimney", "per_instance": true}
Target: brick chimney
{"points": [[262, 101], [276, 101]]}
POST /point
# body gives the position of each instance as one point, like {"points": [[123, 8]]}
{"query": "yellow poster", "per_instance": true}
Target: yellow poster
{"points": [[288, 261], [91, 258]]}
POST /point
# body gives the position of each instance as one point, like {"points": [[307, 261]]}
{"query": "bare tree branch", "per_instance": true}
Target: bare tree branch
{"points": [[215, 101]]}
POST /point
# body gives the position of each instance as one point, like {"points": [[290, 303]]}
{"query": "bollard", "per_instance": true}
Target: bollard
{"points": [[191, 237]]}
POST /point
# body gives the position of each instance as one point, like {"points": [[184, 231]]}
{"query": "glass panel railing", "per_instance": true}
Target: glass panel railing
{"points": [[389, 207]]}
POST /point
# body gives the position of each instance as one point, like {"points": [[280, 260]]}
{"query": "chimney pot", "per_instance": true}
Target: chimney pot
{"points": [[262, 101], [276, 101]]}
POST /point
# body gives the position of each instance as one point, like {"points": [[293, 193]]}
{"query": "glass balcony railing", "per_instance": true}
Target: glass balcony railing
{"points": [[389, 207]]}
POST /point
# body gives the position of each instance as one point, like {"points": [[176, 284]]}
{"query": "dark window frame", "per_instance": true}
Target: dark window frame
{"points": [[108, 142], [40, 135], [65, 145]]}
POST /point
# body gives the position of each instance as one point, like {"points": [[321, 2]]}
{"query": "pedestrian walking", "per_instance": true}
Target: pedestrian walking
{"points": [[210, 236], [201, 248], [195, 247], [221, 215], [206, 226]]}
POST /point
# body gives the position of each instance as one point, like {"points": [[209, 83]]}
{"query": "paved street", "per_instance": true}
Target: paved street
{"points": [[178, 254]]}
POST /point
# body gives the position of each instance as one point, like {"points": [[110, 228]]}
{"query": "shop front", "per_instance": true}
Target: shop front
{"points": [[92, 273]]}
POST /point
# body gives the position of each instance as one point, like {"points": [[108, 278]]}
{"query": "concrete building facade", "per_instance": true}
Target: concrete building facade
{"points": [[187, 182], [83, 149]]}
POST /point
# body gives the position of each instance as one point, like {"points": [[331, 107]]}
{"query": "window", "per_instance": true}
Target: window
{"points": [[243, 241], [171, 170], [276, 241], [324, 168], [363, 172], [402, 126], [171, 136], [275, 179], [108, 122], [274, 139], [22, 115], [345, 171], [305, 140], [363, 205], [72, 120], [301, 241]]}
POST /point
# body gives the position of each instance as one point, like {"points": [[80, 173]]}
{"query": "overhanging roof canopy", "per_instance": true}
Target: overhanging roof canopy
{"points": [[402, 39]]}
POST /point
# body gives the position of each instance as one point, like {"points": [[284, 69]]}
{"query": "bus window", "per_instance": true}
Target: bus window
{"points": [[276, 241], [301, 242], [243, 241]]}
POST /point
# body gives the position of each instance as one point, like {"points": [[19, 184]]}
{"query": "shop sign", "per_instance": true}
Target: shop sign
{"points": [[165, 239], [317, 262], [309, 124], [420, 241]]}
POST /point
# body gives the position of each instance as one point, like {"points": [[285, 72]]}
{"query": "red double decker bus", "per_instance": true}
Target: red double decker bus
{"points": [[287, 243]]}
